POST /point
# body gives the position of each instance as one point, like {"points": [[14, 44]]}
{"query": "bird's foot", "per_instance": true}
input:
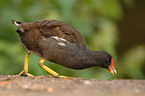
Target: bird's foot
{"points": [[25, 73], [62, 77], [30, 75]]}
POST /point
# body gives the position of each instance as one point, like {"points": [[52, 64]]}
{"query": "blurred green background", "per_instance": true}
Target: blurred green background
{"points": [[116, 26]]}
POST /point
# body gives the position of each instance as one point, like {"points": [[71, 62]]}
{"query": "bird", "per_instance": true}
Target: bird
{"points": [[59, 42]]}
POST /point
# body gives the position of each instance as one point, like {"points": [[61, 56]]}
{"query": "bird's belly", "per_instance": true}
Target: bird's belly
{"points": [[67, 56], [50, 50]]}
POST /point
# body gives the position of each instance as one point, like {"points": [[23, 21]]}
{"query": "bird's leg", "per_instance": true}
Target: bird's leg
{"points": [[55, 74], [25, 71]]}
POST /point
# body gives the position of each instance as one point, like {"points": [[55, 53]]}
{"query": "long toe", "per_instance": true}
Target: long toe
{"points": [[25, 73], [28, 74], [63, 77]]}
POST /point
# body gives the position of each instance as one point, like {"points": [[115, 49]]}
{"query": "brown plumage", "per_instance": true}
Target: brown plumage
{"points": [[59, 42]]}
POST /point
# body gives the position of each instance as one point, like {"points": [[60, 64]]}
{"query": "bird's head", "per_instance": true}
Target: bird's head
{"points": [[106, 61]]}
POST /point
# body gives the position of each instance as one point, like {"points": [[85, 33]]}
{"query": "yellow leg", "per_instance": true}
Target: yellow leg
{"points": [[50, 70], [25, 71]]}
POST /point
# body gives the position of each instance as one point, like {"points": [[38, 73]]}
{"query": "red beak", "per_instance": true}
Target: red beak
{"points": [[112, 68]]}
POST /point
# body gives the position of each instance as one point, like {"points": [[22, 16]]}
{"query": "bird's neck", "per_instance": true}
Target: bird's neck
{"points": [[90, 58]]}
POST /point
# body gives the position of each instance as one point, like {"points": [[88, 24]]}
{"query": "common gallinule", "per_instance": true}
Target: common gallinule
{"points": [[59, 42]]}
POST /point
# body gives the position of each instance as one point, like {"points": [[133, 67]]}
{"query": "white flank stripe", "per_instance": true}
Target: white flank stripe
{"points": [[55, 37], [59, 39], [61, 44]]}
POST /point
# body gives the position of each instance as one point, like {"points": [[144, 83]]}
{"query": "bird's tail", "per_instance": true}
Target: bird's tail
{"points": [[16, 22]]}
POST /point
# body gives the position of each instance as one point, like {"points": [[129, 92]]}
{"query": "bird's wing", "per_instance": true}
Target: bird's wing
{"points": [[51, 28]]}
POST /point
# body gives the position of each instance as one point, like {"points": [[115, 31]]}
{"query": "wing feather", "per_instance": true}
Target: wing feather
{"points": [[57, 28]]}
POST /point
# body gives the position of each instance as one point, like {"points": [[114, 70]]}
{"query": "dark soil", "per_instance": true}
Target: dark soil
{"points": [[13, 85]]}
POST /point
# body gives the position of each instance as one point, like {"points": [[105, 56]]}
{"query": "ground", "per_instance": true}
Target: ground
{"points": [[13, 85]]}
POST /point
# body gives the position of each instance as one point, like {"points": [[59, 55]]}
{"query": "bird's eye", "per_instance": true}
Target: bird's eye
{"points": [[107, 59]]}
